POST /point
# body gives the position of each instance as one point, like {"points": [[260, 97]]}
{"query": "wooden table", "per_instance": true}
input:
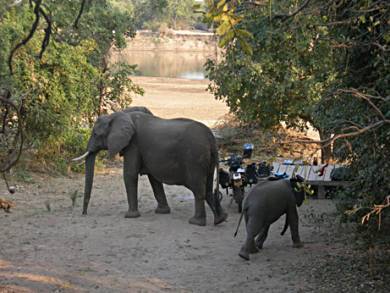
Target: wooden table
{"points": [[311, 174]]}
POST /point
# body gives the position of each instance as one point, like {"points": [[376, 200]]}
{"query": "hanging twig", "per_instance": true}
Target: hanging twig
{"points": [[38, 11], [29, 36], [377, 210], [295, 12], [7, 96], [48, 31], [13, 157], [76, 22]]}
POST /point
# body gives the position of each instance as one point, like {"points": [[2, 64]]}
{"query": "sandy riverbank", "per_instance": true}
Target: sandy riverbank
{"points": [[172, 98]]}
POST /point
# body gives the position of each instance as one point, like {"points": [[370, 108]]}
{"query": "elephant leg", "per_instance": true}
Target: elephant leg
{"points": [[200, 211], [293, 223], [159, 194], [212, 197], [130, 177], [219, 214], [252, 229], [262, 237], [132, 197]]}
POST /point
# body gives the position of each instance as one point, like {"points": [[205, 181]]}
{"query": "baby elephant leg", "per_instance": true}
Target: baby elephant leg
{"points": [[249, 246], [262, 237], [293, 223]]}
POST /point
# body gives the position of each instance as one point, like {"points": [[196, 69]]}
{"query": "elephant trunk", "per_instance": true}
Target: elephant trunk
{"points": [[89, 173]]}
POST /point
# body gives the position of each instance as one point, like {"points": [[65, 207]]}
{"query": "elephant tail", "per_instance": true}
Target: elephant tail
{"points": [[285, 226], [239, 222], [213, 195], [213, 176], [215, 181]]}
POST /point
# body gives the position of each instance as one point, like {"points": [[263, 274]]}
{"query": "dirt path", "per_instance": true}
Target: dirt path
{"points": [[61, 251]]}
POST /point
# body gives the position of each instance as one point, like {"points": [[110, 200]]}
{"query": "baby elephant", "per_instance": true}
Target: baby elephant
{"points": [[266, 203]]}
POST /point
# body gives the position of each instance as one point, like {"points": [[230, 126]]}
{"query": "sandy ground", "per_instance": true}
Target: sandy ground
{"points": [[61, 251], [173, 97], [47, 246]]}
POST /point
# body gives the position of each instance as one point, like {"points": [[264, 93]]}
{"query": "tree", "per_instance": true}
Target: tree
{"points": [[325, 62], [151, 14], [357, 110], [180, 11], [284, 65], [53, 65]]}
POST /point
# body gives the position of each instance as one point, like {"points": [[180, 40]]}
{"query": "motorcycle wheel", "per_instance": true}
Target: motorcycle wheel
{"points": [[238, 195]]}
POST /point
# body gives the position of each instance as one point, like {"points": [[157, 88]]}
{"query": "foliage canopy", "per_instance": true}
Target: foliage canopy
{"points": [[156, 14], [62, 88], [323, 62]]}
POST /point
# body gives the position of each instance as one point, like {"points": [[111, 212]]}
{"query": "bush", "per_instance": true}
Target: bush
{"points": [[69, 84], [56, 153]]}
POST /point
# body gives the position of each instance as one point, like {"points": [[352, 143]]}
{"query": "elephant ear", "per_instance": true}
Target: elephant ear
{"points": [[121, 130], [299, 193]]}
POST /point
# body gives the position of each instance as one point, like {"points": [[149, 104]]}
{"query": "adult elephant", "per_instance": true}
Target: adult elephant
{"points": [[172, 151]]}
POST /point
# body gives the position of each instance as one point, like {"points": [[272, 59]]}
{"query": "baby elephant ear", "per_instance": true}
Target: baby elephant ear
{"points": [[298, 190], [121, 131]]}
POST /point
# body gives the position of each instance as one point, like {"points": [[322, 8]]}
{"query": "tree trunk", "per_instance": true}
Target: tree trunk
{"points": [[102, 85], [102, 93], [326, 148]]}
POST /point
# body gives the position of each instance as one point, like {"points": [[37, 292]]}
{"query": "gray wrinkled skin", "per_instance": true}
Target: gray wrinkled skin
{"points": [[265, 204], [138, 109], [170, 151]]}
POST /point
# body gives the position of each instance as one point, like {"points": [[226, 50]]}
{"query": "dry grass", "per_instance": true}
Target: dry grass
{"points": [[268, 144]]}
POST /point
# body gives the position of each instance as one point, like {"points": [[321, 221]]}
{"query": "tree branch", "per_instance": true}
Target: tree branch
{"points": [[366, 98], [288, 15], [76, 22], [29, 36], [48, 31], [354, 129], [13, 156], [326, 142]]}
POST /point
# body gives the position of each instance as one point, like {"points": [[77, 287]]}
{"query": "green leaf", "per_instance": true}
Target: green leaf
{"points": [[245, 46], [223, 28], [244, 33]]}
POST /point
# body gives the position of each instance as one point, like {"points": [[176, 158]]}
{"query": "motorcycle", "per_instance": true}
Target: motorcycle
{"points": [[239, 175]]}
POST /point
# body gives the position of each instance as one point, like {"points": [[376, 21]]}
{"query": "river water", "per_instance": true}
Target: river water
{"points": [[176, 64]]}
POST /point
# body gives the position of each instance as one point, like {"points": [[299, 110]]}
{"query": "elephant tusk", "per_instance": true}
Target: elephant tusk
{"points": [[81, 157]]}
